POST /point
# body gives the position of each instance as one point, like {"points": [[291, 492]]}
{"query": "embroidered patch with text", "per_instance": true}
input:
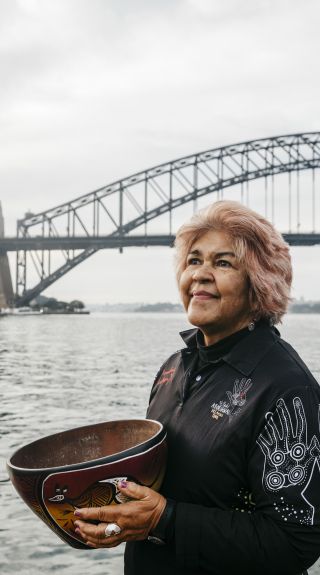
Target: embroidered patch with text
{"points": [[235, 402]]}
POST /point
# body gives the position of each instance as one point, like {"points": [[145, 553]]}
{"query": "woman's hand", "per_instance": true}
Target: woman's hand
{"points": [[135, 518]]}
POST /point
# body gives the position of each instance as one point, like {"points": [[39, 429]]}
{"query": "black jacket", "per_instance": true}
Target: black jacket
{"points": [[244, 462]]}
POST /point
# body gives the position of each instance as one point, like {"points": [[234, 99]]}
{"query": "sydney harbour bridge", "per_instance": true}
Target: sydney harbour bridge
{"points": [[277, 176]]}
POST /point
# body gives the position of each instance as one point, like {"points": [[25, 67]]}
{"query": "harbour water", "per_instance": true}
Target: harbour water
{"points": [[58, 372]]}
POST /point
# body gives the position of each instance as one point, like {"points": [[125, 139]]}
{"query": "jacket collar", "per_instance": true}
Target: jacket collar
{"points": [[246, 354]]}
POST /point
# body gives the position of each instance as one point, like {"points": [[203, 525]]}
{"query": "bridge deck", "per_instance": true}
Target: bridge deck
{"points": [[14, 244]]}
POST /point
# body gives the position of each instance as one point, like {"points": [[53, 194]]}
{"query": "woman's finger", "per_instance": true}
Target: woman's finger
{"points": [[95, 534], [133, 490], [105, 513], [87, 530]]}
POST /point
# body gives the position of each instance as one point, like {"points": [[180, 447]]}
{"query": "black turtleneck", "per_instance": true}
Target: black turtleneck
{"points": [[213, 353], [210, 357]]}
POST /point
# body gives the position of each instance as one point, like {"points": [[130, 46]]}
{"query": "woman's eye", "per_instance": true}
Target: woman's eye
{"points": [[223, 264], [193, 261]]}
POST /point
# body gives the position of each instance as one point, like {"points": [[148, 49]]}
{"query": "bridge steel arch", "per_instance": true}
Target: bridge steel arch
{"points": [[106, 218]]}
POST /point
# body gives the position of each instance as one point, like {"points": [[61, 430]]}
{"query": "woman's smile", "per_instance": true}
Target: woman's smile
{"points": [[203, 295]]}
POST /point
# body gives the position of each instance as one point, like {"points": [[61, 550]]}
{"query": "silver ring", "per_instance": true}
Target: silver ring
{"points": [[112, 529]]}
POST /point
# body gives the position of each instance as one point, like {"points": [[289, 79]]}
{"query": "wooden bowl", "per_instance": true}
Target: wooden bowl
{"points": [[81, 467]]}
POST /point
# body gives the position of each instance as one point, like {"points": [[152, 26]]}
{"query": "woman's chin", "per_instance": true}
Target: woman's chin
{"points": [[197, 319]]}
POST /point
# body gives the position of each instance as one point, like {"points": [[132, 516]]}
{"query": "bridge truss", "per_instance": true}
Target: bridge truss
{"points": [[139, 210]]}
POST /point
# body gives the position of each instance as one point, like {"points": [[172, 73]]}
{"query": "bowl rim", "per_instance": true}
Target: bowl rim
{"points": [[156, 439]]}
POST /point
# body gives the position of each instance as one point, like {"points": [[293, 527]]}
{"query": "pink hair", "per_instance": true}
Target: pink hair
{"points": [[258, 246]]}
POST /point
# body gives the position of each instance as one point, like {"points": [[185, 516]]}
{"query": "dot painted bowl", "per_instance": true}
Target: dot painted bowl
{"points": [[81, 467]]}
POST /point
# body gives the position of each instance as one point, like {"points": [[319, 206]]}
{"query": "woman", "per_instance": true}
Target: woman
{"points": [[241, 493]]}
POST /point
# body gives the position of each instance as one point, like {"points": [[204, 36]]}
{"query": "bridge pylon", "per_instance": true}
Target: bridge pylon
{"points": [[6, 290]]}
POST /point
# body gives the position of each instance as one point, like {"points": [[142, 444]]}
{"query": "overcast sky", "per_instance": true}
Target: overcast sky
{"points": [[93, 90]]}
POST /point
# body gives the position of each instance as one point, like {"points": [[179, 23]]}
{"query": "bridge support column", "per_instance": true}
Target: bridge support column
{"points": [[6, 290]]}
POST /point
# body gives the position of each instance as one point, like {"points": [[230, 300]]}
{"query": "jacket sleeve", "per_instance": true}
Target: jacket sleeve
{"points": [[279, 532]]}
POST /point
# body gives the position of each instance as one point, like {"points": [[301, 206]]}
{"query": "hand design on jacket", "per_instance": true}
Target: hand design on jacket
{"points": [[238, 396], [288, 456]]}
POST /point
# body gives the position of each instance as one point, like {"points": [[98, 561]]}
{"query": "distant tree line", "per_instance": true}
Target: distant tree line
{"points": [[305, 307], [160, 307], [52, 304]]}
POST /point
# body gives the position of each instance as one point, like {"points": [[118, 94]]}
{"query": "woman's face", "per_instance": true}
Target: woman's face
{"points": [[214, 287]]}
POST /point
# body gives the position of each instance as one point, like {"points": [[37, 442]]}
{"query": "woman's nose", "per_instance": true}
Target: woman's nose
{"points": [[203, 273]]}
